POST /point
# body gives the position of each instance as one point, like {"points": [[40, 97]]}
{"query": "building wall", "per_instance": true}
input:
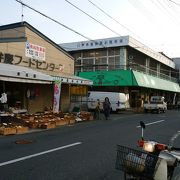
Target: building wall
{"points": [[53, 55], [13, 33]]}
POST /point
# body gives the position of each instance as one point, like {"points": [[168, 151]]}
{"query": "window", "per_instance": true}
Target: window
{"points": [[88, 64], [113, 51], [114, 63], [87, 54], [78, 62], [101, 53], [101, 63]]}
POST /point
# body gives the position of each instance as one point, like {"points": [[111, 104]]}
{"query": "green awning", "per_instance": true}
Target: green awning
{"points": [[144, 80], [129, 78], [110, 78]]}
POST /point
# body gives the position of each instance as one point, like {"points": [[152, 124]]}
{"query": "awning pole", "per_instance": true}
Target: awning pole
{"points": [[4, 89]]}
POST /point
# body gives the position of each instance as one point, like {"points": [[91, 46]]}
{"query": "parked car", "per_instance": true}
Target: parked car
{"points": [[156, 104]]}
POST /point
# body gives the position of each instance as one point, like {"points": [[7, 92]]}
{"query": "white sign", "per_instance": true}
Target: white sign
{"points": [[35, 51]]}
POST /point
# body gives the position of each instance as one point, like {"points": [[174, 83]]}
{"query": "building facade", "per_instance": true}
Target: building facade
{"points": [[34, 62], [123, 64]]}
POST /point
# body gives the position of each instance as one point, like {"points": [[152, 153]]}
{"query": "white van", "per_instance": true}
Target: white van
{"points": [[119, 101]]}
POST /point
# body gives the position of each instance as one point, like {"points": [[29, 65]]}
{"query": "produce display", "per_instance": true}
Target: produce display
{"points": [[22, 123]]}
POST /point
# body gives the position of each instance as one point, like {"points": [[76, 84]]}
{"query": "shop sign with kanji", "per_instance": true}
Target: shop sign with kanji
{"points": [[35, 51]]}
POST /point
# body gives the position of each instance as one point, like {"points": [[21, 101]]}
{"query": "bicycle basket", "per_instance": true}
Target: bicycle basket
{"points": [[136, 163]]}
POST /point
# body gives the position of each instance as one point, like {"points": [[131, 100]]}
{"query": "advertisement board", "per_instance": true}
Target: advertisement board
{"points": [[35, 51]]}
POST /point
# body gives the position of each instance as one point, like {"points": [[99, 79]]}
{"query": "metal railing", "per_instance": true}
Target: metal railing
{"points": [[134, 67]]}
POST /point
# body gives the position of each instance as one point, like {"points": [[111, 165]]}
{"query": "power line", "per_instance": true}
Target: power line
{"points": [[112, 18], [93, 18], [55, 21], [175, 2], [136, 47]]}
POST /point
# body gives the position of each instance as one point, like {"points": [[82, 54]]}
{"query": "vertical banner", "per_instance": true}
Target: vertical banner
{"points": [[57, 92]]}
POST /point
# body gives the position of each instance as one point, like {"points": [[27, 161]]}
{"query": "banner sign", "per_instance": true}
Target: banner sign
{"points": [[57, 92], [34, 51]]}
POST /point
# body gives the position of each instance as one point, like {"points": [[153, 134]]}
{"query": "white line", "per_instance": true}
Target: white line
{"points": [[39, 154], [155, 122]]}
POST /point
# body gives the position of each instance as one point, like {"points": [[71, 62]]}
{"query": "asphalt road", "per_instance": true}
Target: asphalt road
{"points": [[84, 151]]}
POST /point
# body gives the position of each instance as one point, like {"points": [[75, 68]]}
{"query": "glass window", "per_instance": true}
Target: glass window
{"points": [[101, 64], [101, 53], [87, 54], [78, 62], [113, 51], [76, 55], [88, 64]]}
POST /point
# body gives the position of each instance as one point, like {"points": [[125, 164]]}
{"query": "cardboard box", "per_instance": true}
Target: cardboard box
{"points": [[21, 129], [61, 122], [7, 131], [48, 125]]}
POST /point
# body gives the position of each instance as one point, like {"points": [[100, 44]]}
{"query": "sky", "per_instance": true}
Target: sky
{"points": [[155, 23]]}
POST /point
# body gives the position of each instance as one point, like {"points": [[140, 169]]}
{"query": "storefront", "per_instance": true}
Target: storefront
{"points": [[138, 85], [26, 89], [33, 61]]}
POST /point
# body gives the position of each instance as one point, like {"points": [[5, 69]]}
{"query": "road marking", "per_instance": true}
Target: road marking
{"points": [[38, 154], [155, 122]]}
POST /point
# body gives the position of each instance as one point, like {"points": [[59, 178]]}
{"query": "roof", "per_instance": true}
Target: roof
{"points": [[120, 41], [25, 24], [16, 73]]}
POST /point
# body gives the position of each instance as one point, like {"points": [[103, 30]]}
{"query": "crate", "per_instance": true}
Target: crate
{"points": [[136, 163], [48, 126], [21, 129], [71, 121], [33, 125], [61, 122], [7, 131]]}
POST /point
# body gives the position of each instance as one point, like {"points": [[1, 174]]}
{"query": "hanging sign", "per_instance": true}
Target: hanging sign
{"points": [[57, 92], [34, 51]]}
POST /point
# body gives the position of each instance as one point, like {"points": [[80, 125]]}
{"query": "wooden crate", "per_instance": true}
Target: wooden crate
{"points": [[33, 125], [48, 125], [8, 131], [61, 122], [71, 121], [21, 129]]}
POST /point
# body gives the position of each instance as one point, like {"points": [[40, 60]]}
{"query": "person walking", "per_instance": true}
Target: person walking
{"points": [[97, 110], [106, 107]]}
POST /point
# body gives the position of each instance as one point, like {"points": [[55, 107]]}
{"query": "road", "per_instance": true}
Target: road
{"points": [[84, 151]]}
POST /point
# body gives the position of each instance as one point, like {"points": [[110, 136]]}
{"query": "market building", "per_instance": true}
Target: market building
{"points": [[30, 65], [123, 64]]}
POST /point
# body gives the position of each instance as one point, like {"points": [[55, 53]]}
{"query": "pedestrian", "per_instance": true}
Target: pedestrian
{"points": [[106, 107], [97, 110]]}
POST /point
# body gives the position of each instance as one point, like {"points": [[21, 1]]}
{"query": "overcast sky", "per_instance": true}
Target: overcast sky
{"points": [[155, 23]]}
